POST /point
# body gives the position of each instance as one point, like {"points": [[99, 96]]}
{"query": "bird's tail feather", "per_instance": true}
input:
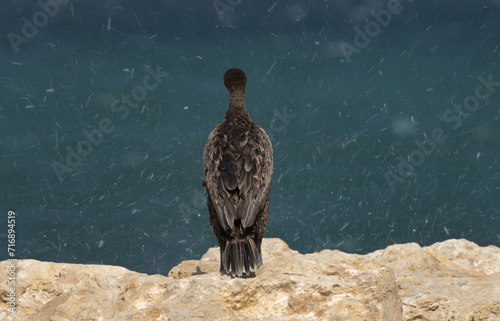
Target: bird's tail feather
{"points": [[241, 257]]}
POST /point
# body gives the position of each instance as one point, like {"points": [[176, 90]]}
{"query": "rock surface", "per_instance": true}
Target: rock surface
{"points": [[453, 280]]}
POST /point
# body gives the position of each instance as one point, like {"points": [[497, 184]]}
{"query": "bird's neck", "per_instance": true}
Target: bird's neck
{"points": [[237, 104]]}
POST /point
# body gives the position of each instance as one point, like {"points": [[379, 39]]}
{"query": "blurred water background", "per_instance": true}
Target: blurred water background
{"points": [[384, 116]]}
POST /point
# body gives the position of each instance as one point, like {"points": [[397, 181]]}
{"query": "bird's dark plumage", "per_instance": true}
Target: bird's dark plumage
{"points": [[238, 164]]}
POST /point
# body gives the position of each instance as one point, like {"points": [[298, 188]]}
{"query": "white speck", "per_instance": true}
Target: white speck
{"points": [[109, 23], [267, 73], [272, 7], [100, 244], [316, 43], [446, 230], [314, 56], [49, 90], [29, 106], [199, 57], [17, 63], [186, 107], [478, 154]]}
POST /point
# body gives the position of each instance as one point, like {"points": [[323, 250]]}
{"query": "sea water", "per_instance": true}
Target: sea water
{"points": [[384, 118]]}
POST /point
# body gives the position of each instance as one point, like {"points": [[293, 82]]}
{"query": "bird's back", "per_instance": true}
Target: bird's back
{"points": [[238, 165]]}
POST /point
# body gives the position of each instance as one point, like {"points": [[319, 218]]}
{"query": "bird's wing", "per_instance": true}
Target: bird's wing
{"points": [[238, 178]]}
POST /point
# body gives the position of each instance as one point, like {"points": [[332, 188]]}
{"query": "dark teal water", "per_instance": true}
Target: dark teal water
{"points": [[385, 125]]}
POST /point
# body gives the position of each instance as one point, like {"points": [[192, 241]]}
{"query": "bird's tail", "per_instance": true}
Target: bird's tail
{"points": [[240, 257]]}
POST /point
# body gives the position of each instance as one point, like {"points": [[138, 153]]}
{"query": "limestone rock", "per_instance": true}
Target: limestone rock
{"points": [[455, 255], [453, 280]]}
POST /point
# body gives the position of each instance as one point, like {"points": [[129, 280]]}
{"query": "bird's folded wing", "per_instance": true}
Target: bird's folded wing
{"points": [[238, 178]]}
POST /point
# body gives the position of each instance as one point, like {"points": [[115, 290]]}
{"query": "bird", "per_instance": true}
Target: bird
{"points": [[238, 167]]}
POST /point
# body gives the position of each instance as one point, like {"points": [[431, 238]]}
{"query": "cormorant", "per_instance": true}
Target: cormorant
{"points": [[238, 164]]}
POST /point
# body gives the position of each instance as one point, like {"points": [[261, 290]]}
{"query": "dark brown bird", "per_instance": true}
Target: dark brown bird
{"points": [[238, 163]]}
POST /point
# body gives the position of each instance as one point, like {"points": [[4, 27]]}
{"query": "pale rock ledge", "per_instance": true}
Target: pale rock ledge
{"points": [[453, 280]]}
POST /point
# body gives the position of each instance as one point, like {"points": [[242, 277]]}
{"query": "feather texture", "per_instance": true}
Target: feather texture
{"points": [[238, 166], [238, 177]]}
